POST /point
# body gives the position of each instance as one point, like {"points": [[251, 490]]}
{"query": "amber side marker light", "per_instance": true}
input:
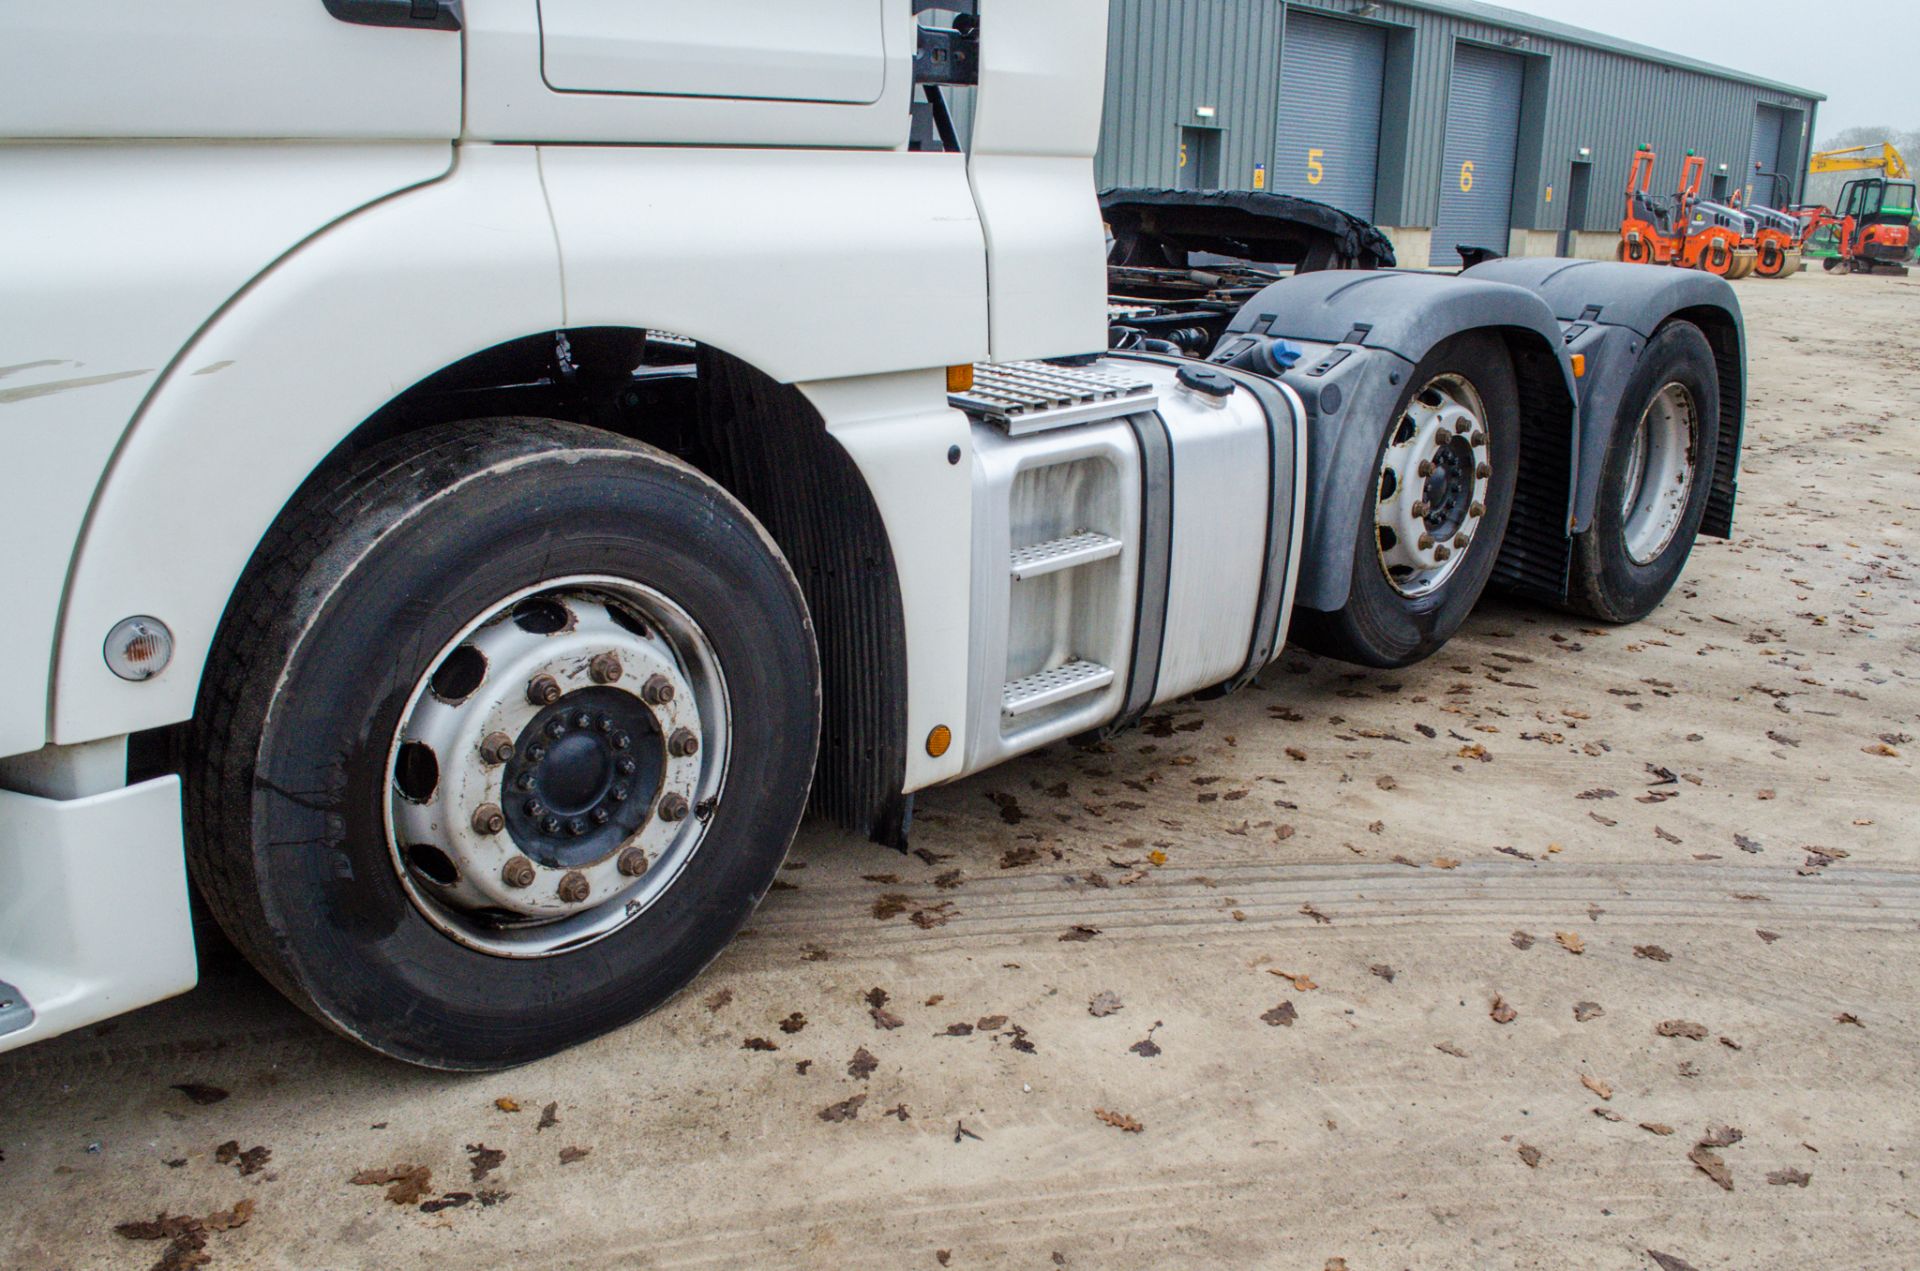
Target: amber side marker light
{"points": [[938, 740], [1579, 365], [959, 378]]}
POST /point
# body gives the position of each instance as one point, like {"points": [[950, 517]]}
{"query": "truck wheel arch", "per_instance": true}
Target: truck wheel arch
{"points": [[1637, 302], [1388, 321]]}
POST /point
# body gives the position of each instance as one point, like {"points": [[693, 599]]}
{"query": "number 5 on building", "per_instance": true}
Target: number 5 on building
{"points": [[1466, 176], [1315, 170]]}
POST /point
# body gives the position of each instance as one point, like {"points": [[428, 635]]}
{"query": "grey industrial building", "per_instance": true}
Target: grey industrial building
{"points": [[1443, 121]]}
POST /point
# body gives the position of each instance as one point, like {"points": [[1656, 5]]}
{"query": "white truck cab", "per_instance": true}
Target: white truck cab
{"points": [[478, 470]]}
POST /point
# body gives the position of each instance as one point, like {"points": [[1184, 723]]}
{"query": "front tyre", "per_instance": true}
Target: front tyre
{"points": [[1654, 485], [1431, 524], [503, 737]]}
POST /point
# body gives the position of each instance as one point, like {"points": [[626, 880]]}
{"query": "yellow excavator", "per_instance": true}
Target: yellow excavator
{"points": [[1860, 158]]}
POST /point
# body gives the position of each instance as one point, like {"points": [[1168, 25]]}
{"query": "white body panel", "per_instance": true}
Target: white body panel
{"points": [[93, 917], [221, 68], [1035, 128], [822, 51], [113, 257], [898, 429], [315, 346], [510, 99], [772, 256]]}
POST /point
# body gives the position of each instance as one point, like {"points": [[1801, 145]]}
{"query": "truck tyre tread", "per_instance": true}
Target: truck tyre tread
{"points": [[1606, 583], [397, 497], [1378, 626]]}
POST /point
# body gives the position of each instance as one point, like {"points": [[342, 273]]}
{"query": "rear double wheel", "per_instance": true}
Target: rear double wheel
{"points": [[1653, 488], [1432, 520], [505, 734]]}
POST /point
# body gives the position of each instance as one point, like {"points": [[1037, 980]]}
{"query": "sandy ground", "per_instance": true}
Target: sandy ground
{"points": [[1491, 882]]}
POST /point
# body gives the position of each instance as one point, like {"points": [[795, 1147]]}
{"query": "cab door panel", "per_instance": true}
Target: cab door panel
{"points": [[822, 51]]}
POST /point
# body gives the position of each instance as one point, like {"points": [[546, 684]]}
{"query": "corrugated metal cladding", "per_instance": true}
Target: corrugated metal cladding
{"points": [[1483, 137], [1584, 98], [1328, 135]]}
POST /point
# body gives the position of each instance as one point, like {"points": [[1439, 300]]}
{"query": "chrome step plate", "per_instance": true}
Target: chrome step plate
{"points": [[1058, 684], [1025, 397], [1083, 548]]}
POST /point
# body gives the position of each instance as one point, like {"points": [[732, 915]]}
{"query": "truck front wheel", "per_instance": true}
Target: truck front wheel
{"points": [[1654, 485], [503, 737], [1431, 524]]}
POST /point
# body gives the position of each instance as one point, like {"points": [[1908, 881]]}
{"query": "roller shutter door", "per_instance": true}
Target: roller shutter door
{"points": [[1765, 151], [1328, 139], [1483, 131]]}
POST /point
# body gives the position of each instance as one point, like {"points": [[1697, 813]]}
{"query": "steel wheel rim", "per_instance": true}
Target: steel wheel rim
{"points": [[1430, 493], [1660, 464], [524, 882]]}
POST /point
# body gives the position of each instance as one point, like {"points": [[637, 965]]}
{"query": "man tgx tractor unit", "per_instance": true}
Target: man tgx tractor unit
{"points": [[476, 472]]}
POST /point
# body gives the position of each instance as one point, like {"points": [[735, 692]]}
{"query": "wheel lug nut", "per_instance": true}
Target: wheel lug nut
{"points": [[1421, 507], [1459, 540], [621, 741], [625, 765], [673, 807], [536, 809], [1479, 438], [1425, 469], [605, 668], [657, 691], [536, 752], [600, 816], [577, 827], [524, 782], [682, 743], [517, 872], [574, 887], [496, 748], [543, 690], [1442, 552], [1478, 509], [549, 825], [633, 861], [604, 723], [556, 728], [1426, 541], [489, 819], [620, 793], [1483, 471], [583, 720]]}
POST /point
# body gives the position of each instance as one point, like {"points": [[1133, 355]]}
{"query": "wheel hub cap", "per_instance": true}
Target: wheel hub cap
{"points": [[1432, 486], [574, 827], [583, 776], [1660, 466]]}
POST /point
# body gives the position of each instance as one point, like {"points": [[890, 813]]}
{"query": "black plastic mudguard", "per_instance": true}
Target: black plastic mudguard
{"points": [[1362, 333], [1609, 311]]}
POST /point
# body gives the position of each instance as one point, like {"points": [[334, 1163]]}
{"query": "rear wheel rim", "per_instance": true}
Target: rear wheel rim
{"points": [[1659, 473], [1430, 493], [556, 765]]}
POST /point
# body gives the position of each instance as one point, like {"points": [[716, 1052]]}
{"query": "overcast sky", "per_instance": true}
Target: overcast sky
{"points": [[1861, 57]]}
